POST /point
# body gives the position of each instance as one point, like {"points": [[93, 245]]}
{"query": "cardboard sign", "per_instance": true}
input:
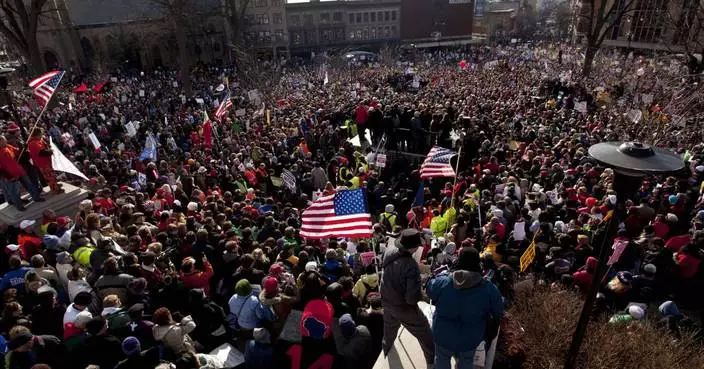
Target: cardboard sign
{"points": [[367, 257], [381, 160]]}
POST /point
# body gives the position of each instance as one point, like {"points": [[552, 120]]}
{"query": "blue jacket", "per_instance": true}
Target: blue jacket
{"points": [[463, 303], [246, 312], [14, 279]]}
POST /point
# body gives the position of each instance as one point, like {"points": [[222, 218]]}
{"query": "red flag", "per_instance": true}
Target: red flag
{"points": [[81, 89]]}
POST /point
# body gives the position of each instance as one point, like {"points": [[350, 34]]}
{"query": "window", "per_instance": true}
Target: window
{"points": [[279, 35], [277, 2], [351, 36], [326, 35], [393, 15], [262, 18], [260, 3], [324, 18], [340, 34], [278, 19], [295, 20], [387, 16], [359, 17], [380, 33], [365, 33], [337, 17], [393, 31], [351, 17], [308, 19], [646, 25], [358, 34], [296, 38], [380, 16], [372, 33], [366, 17], [373, 17]]}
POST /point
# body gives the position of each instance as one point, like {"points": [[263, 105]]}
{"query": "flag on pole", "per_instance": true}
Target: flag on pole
{"points": [[419, 200], [61, 164], [225, 105], [342, 214], [149, 151], [437, 163], [43, 87]]}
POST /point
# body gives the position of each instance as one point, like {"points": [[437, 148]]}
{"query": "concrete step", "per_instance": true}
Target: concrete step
{"points": [[63, 204]]}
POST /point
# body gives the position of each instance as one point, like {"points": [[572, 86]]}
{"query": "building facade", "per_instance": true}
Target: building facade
{"points": [[436, 19], [319, 24], [265, 25]]}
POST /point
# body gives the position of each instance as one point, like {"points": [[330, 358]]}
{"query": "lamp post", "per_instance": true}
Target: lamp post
{"points": [[631, 161]]}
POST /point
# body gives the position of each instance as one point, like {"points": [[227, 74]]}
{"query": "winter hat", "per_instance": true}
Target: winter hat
{"points": [[410, 239], [131, 346], [192, 206], [650, 269], [276, 270], [672, 199], [64, 258], [243, 288], [271, 286], [82, 319], [27, 223], [51, 242], [669, 308], [469, 260], [311, 266], [389, 208], [636, 312], [592, 262], [317, 318], [625, 277], [347, 326], [261, 335]]}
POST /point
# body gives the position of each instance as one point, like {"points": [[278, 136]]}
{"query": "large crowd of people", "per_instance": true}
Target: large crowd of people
{"points": [[184, 247]]}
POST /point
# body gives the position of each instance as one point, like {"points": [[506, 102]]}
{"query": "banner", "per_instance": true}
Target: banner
{"points": [[61, 164]]}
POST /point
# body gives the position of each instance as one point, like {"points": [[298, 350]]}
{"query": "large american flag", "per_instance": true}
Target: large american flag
{"points": [[43, 87], [342, 214], [437, 163], [225, 105]]}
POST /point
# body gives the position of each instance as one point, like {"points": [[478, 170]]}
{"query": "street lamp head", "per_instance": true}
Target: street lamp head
{"points": [[635, 159]]}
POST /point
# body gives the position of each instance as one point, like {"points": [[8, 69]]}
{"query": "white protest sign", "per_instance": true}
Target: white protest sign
{"points": [[183, 99], [94, 140], [102, 116], [124, 98], [141, 93], [200, 101], [581, 106], [116, 110], [381, 160], [240, 113], [82, 120], [113, 79], [635, 115], [646, 98], [175, 84], [131, 130]]}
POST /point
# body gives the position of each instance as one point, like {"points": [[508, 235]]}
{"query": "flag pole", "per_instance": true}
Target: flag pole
{"points": [[454, 185], [39, 117]]}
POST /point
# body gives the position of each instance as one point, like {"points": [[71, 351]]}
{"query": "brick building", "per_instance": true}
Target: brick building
{"points": [[436, 19]]}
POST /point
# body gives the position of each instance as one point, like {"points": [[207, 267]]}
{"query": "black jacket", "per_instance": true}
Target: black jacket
{"points": [[400, 284]]}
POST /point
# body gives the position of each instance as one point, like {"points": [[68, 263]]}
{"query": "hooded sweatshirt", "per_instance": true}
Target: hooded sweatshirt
{"points": [[365, 282], [464, 301]]}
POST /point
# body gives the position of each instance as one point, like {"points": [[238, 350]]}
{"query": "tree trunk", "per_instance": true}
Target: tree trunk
{"points": [[184, 58], [589, 60], [36, 62]]}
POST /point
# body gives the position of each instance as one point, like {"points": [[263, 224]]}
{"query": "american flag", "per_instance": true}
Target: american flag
{"points": [[437, 163], [44, 86], [225, 105], [342, 214]]}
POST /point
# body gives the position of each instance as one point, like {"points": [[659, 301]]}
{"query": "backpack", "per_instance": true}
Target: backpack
{"points": [[369, 291]]}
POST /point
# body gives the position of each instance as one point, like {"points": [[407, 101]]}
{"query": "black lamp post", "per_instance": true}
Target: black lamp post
{"points": [[631, 161]]}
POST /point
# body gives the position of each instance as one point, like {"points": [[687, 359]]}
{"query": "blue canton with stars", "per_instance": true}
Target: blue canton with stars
{"points": [[350, 202], [442, 156], [54, 81]]}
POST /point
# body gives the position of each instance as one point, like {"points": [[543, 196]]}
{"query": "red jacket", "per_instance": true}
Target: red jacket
{"points": [[199, 279], [9, 167], [361, 114], [35, 147]]}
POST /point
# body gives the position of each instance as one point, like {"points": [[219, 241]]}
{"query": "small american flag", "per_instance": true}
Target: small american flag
{"points": [[342, 214], [43, 87], [437, 163], [225, 105]]}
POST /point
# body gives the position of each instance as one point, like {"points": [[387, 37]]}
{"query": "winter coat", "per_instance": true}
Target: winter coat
{"points": [[464, 302], [246, 312], [400, 284], [365, 282], [175, 336], [199, 279]]}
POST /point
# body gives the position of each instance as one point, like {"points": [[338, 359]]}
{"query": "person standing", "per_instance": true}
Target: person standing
{"points": [[12, 173], [466, 307], [40, 153], [401, 292]]}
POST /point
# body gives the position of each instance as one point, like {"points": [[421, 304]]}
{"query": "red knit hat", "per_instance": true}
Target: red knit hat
{"points": [[271, 286]]}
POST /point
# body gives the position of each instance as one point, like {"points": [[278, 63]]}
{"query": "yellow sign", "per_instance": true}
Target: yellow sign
{"points": [[527, 257], [268, 117]]}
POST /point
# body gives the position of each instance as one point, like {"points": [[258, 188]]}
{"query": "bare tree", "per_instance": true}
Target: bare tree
{"points": [[600, 18], [19, 20], [685, 25], [236, 11]]}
